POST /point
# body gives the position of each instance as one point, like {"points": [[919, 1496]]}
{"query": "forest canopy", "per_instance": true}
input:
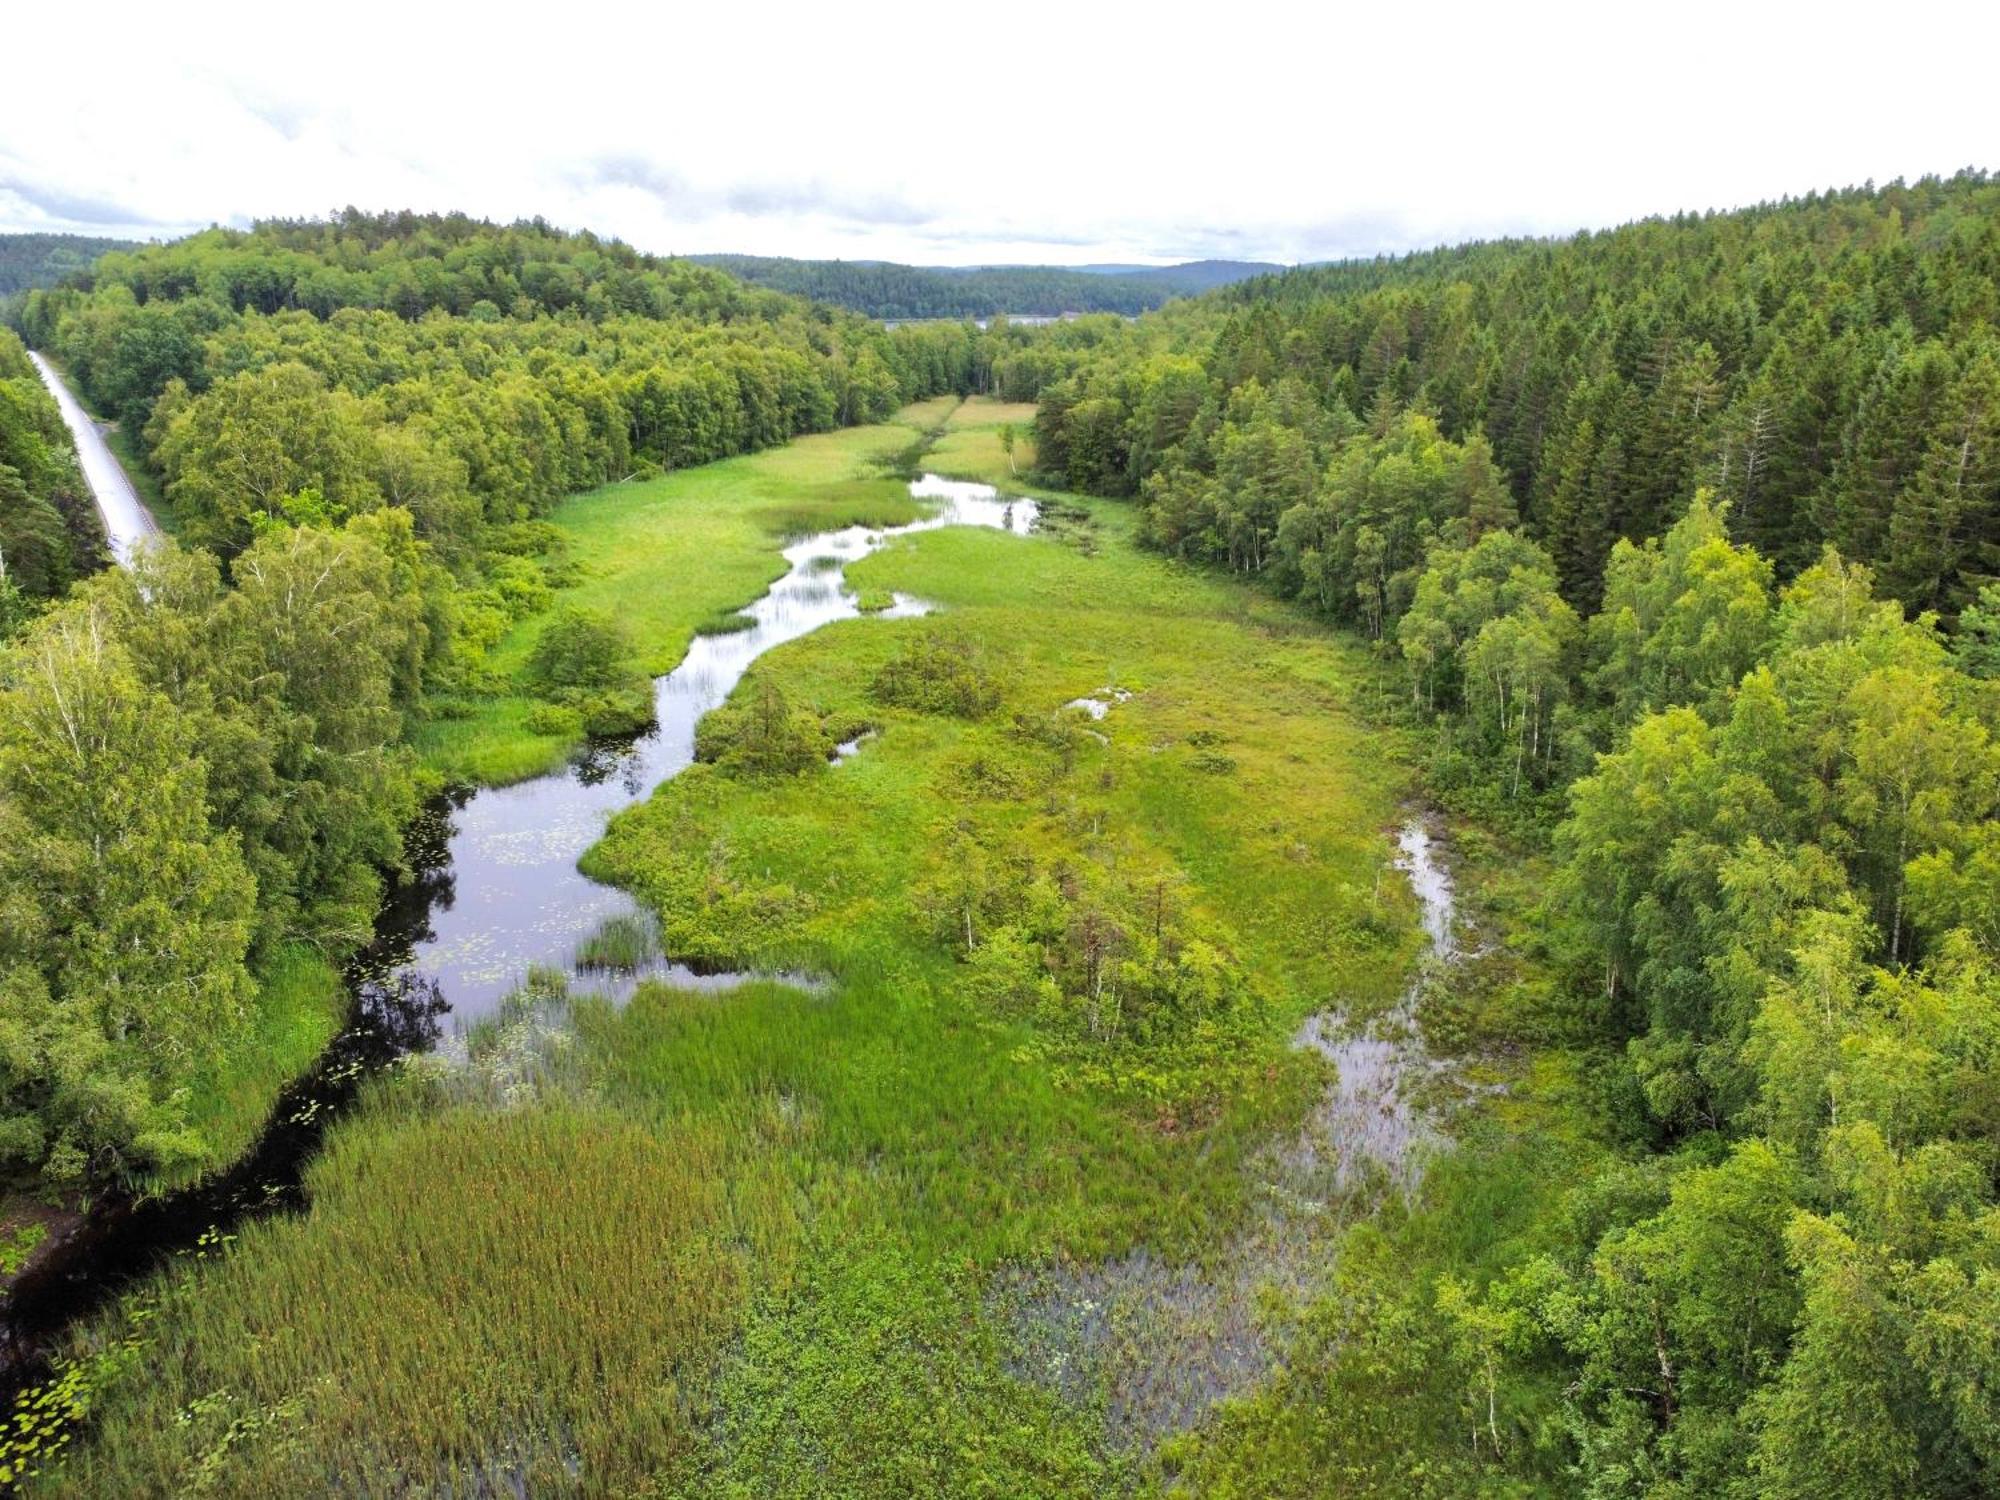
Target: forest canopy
{"points": [[884, 290], [1680, 542]]}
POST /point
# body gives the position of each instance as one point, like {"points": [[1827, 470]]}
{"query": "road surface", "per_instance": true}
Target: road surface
{"points": [[126, 521]]}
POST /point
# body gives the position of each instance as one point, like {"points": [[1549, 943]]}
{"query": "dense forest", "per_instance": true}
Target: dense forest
{"points": [[883, 290], [31, 260], [1681, 539], [357, 425]]}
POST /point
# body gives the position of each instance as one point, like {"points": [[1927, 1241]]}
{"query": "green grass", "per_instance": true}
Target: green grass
{"points": [[300, 1006], [740, 1242], [970, 447]]}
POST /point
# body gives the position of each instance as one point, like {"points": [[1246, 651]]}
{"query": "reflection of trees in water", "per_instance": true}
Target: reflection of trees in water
{"points": [[396, 1013], [610, 758], [425, 886]]}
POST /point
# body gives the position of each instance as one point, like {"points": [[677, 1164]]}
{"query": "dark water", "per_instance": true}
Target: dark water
{"points": [[494, 888]]}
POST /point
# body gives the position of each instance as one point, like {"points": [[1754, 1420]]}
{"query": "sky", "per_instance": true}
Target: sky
{"points": [[964, 134]]}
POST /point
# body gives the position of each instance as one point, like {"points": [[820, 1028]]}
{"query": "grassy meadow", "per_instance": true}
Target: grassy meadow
{"points": [[747, 1243], [970, 446]]}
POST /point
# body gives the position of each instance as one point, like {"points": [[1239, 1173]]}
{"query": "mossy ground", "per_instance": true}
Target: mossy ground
{"points": [[743, 1243]]}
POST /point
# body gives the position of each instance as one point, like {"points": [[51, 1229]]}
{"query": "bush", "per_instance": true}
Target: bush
{"points": [[521, 585], [555, 718], [578, 648], [763, 735], [620, 710], [940, 672]]}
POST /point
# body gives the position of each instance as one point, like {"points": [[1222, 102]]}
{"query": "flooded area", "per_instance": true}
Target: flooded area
{"points": [[1163, 1341]]}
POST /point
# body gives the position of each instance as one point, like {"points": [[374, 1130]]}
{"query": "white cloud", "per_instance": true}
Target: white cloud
{"points": [[1033, 132]]}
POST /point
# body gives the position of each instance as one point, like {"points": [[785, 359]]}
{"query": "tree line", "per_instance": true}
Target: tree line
{"points": [[882, 289], [1681, 538], [32, 260]]}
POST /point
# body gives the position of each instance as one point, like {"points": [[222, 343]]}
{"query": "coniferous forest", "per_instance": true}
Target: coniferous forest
{"points": [[1380, 879]]}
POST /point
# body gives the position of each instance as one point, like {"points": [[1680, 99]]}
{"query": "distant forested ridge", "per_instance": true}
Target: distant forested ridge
{"points": [[32, 260], [1680, 541], [882, 290], [357, 424]]}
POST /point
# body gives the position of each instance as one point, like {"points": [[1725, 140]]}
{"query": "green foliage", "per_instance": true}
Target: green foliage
{"points": [[939, 671], [578, 649], [17, 1245], [267, 445], [763, 734], [194, 775], [127, 918]]}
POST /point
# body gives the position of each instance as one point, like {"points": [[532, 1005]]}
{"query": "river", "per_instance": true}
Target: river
{"points": [[127, 522]]}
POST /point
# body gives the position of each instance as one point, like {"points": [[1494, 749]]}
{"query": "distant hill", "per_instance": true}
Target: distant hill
{"points": [[881, 289], [1190, 277], [31, 260]]}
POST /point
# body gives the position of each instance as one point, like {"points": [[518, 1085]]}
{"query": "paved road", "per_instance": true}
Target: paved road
{"points": [[126, 521]]}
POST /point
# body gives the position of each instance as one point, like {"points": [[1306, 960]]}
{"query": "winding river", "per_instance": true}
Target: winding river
{"points": [[496, 891], [510, 894]]}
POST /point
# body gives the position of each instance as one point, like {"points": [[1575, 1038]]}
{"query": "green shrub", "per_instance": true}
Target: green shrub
{"points": [[626, 709], [554, 718], [940, 672], [763, 734], [522, 586], [578, 648]]}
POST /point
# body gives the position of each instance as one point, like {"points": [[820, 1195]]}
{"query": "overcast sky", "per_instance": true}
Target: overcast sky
{"points": [[961, 134]]}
